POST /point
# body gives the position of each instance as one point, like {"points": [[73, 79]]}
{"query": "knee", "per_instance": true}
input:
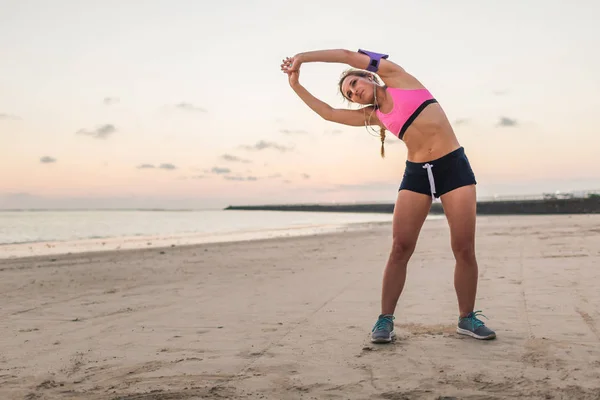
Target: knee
{"points": [[402, 248], [464, 251]]}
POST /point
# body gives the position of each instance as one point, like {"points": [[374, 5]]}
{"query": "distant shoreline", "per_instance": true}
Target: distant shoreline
{"points": [[548, 204], [588, 205]]}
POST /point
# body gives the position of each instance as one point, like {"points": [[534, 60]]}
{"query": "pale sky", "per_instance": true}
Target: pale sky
{"points": [[90, 91]]}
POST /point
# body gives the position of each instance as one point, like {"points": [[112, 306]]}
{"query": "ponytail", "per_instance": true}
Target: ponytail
{"points": [[382, 135]]}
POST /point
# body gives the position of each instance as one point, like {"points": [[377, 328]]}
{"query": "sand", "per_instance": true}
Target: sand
{"points": [[290, 318]]}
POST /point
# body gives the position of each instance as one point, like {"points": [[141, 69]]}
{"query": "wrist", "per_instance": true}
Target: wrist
{"points": [[300, 57]]}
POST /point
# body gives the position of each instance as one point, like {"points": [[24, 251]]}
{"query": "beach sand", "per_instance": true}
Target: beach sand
{"points": [[290, 318]]}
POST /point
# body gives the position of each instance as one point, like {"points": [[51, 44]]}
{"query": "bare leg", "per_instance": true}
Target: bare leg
{"points": [[460, 208], [410, 212]]}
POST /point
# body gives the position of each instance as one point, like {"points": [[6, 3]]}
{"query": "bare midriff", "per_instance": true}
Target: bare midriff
{"points": [[430, 136]]}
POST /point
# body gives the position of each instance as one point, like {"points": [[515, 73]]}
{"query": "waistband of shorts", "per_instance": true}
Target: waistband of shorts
{"points": [[453, 154]]}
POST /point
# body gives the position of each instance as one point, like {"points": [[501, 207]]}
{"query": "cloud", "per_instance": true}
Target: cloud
{"points": [[262, 145], [190, 107], [167, 166], [305, 176], [505, 121], [198, 177], [461, 121], [274, 176], [47, 160], [219, 170], [101, 132], [333, 131], [111, 100], [241, 178], [500, 92], [293, 131], [232, 158], [145, 166], [10, 117]]}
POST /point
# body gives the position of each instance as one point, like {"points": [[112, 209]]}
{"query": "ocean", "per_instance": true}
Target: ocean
{"points": [[28, 233]]}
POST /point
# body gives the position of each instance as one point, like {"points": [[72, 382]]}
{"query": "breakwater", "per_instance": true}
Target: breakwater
{"points": [[587, 205]]}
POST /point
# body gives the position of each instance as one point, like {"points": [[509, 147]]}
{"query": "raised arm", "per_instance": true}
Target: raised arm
{"points": [[361, 59], [341, 116]]}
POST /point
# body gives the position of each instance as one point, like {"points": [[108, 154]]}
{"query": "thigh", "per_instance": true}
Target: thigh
{"points": [[460, 207], [410, 212]]}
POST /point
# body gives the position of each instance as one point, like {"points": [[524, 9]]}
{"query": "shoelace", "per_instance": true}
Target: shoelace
{"points": [[473, 318], [382, 323]]}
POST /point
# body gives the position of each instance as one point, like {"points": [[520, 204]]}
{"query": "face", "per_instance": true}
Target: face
{"points": [[358, 89]]}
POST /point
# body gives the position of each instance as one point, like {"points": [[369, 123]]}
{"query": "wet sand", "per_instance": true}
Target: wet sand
{"points": [[290, 318]]}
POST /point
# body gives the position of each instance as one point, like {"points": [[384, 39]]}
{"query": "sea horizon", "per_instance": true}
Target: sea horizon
{"points": [[481, 199]]}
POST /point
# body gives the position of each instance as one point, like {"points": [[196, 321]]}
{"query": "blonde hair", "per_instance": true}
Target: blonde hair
{"points": [[365, 74]]}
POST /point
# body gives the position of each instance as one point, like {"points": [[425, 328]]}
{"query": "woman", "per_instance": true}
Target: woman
{"points": [[436, 167]]}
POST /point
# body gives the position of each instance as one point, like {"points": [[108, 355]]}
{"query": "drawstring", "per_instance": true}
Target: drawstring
{"points": [[431, 181]]}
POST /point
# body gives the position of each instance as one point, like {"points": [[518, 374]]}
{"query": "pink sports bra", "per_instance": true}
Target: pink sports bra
{"points": [[408, 104]]}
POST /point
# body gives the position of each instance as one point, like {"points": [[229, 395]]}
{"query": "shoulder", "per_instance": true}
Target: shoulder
{"points": [[401, 80]]}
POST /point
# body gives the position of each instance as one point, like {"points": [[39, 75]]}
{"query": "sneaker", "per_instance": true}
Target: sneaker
{"points": [[472, 326], [383, 331]]}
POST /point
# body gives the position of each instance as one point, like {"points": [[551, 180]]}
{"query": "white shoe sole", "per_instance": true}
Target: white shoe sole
{"points": [[385, 340], [472, 334]]}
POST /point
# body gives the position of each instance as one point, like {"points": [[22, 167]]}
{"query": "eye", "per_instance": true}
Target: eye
{"points": [[353, 83], [349, 94]]}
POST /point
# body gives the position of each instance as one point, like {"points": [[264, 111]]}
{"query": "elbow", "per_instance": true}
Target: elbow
{"points": [[327, 115]]}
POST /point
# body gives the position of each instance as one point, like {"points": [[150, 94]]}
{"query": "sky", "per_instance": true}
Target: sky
{"points": [[182, 104]]}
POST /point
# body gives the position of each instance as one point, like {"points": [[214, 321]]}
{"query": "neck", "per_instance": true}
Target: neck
{"points": [[381, 96]]}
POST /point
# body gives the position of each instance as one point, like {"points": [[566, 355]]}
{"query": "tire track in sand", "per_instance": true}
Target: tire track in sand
{"points": [[523, 296], [589, 321], [275, 342]]}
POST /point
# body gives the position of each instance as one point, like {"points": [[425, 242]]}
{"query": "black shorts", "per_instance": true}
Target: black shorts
{"points": [[438, 177]]}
